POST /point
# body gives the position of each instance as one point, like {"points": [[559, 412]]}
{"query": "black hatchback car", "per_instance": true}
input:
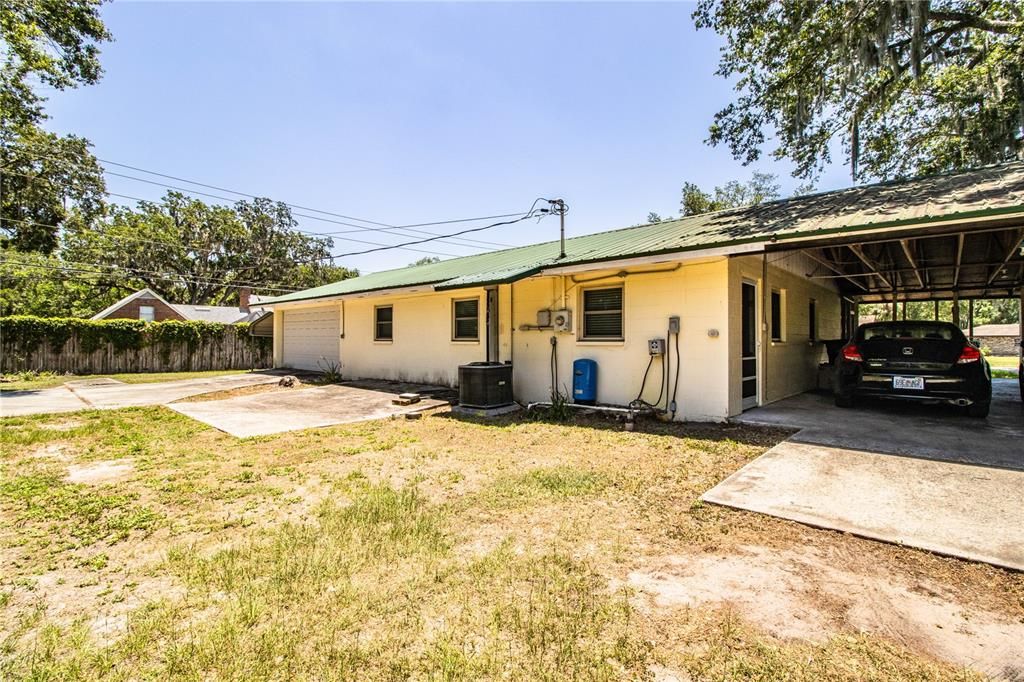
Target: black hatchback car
{"points": [[910, 360]]}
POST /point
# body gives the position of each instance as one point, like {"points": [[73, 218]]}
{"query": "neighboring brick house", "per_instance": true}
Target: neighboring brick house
{"points": [[146, 304], [999, 339]]}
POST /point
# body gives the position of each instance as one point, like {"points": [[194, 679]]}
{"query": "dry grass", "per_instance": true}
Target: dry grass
{"points": [[437, 548]]}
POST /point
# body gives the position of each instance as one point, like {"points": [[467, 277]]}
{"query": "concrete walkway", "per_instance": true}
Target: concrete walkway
{"points": [[959, 510], [110, 394], [923, 476], [304, 408], [939, 432]]}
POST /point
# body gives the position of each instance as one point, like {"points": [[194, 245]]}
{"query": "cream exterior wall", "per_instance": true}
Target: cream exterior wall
{"points": [[790, 366], [704, 294], [695, 292], [422, 349]]}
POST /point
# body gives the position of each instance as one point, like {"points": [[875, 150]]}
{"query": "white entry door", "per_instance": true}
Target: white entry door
{"points": [[311, 338]]}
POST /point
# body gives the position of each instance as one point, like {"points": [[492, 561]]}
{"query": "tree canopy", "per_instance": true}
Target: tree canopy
{"points": [[426, 260], [904, 87], [45, 178], [733, 194], [53, 42], [191, 252]]}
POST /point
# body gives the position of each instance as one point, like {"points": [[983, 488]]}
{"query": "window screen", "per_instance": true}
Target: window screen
{"points": [[383, 323], [147, 313], [776, 316], [466, 319], [602, 313]]}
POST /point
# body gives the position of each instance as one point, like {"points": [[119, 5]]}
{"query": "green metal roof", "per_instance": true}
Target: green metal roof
{"points": [[986, 191]]}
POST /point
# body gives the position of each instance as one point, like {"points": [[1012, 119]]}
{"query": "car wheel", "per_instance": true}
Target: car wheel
{"points": [[978, 410], [844, 400]]}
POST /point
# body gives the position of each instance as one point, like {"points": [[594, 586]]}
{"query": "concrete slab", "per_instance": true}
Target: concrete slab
{"points": [[971, 512], [42, 401], [937, 432], [114, 396], [280, 411], [111, 394]]}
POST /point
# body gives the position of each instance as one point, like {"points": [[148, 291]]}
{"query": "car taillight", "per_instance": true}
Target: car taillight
{"points": [[969, 354], [852, 354]]}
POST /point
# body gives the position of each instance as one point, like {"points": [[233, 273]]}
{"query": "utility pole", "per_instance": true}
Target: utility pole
{"points": [[558, 206]]}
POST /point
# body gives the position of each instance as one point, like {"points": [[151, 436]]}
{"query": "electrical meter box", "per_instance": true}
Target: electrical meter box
{"points": [[543, 318], [561, 320], [656, 346]]}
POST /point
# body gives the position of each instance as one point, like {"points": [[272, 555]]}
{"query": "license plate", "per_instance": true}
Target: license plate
{"points": [[908, 383]]}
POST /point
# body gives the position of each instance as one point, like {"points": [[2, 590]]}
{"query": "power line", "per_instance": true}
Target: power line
{"points": [[382, 227], [133, 273], [350, 239], [200, 248], [530, 214], [405, 245], [359, 228]]}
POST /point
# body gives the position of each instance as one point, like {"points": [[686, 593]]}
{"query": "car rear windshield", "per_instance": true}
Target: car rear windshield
{"points": [[907, 331]]}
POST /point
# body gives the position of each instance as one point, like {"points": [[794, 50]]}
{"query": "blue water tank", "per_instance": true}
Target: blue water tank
{"points": [[584, 381]]}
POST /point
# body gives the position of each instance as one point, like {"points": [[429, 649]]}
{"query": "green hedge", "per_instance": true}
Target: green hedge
{"points": [[26, 333]]}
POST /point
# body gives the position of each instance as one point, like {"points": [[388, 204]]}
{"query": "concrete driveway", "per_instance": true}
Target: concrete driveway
{"points": [[284, 410], [919, 476], [110, 394]]}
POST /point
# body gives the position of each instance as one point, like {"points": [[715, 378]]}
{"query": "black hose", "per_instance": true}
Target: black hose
{"points": [[643, 384], [554, 367], [667, 365], [675, 388]]}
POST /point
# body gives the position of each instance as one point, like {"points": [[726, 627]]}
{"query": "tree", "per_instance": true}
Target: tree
{"points": [[908, 87], [653, 217], [191, 252], [733, 194], [426, 260], [52, 42], [37, 284], [43, 174]]}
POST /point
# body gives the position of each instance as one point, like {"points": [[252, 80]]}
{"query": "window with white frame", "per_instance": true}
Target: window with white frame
{"points": [[147, 313], [466, 319], [602, 314], [383, 323]]}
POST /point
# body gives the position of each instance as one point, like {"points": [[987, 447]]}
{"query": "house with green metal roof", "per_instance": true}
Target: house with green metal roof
{"points": [[719, 312]]}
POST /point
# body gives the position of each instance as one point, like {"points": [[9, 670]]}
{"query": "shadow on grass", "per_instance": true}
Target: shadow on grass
{"points": [[745, 434]]}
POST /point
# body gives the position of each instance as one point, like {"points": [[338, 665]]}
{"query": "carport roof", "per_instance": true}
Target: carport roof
{"points": [[990, 191]]}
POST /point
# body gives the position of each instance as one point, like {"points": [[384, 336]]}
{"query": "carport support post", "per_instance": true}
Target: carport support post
{"points": [[936, 310], [956, 309], [970, 318]]}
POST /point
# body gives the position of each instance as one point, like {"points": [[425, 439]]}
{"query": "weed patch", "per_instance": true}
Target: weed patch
{"points": [[548, 483]]}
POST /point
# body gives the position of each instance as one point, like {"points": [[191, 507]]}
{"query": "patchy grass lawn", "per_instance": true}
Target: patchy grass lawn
{"points": [[138, 544], [1004, 367], [23, 381]]}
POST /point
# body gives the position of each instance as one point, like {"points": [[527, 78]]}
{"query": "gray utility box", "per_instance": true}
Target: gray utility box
{"points": [[485, 385]]}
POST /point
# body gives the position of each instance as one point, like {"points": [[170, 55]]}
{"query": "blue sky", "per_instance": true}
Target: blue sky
{"points": [[406, 113]]}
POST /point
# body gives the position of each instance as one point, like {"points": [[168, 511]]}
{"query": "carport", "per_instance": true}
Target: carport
{"points": [[962, 260], [911, 474]]}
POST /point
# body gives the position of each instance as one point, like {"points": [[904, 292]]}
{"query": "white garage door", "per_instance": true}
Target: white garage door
{"points": [[311, 337]]}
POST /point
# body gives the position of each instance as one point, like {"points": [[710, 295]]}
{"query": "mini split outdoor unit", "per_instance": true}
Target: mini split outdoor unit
{"points": [[485, 385]]}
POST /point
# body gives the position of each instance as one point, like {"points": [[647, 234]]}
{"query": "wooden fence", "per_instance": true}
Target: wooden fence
{"points": [[228, 351]]}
